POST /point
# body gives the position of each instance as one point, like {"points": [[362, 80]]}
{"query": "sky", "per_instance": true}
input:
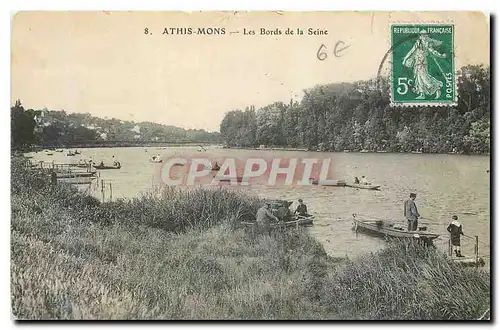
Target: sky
{"points": [[105, 64]]}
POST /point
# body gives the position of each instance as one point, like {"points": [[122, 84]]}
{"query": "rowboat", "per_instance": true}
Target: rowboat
{"points": [[383, 229], [363, 186], [295, 222], [104, 167], [331, 183]]}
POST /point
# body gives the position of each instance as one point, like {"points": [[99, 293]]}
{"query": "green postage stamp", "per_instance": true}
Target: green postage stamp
{"points": [[423, 68]]}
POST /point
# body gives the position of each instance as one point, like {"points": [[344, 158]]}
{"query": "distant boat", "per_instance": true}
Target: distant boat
{"points": [[156, 159], [104, 167], [59, 150], [347, 150], [70, 154], [364, 150]]}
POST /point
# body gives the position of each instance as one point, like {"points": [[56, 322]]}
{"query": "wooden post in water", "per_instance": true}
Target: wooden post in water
{"points": [[110, 192], [102, 190], [476, 251]]}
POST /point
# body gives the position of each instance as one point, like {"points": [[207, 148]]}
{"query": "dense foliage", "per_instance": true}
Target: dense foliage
{"points": [[358, 116], [22, 125], [58, 128]]}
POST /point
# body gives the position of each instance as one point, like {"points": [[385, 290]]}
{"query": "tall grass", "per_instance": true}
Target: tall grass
{"points": [[179, 255]]}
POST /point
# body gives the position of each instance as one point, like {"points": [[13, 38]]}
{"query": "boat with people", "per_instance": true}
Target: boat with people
{"points": [[362, 184], [215, 167], [387, 229], [70, 153], [116, 166], [281, 209], [156, 159]]}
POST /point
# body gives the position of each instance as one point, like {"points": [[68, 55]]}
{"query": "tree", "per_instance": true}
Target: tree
{"points": [[22, 125]]}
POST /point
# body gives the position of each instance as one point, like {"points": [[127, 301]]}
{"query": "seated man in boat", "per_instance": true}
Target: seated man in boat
{"points": [[283, 212], [264, 217], [301, 209], [455, 230], [411, 212], [363, 180], [102, 163], [356, 180]]}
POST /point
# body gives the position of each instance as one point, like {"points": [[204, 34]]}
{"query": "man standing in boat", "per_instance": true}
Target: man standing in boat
{"points": [[411, 212], [264, 217], [455, 230]]}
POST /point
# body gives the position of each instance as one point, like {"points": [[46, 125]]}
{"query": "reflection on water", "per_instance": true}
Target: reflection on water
{"points": [[445, 185]]}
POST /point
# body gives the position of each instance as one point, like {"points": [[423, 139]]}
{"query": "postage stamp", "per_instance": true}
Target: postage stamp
{"points": [[423, 65]]}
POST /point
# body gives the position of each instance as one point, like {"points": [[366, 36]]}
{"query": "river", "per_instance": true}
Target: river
{"points": [[445, 185]]}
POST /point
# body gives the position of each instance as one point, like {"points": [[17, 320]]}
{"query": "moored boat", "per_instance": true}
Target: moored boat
{"points": [[295, 222], [104, 167], [329, 183], [363, 186], [386, 229]]}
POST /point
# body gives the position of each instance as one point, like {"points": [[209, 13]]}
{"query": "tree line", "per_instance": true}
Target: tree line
{"points": [[357, 116], [58, 128]]}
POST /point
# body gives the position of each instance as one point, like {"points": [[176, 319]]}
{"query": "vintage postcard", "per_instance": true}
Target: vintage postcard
{"points": [[250, 166]]}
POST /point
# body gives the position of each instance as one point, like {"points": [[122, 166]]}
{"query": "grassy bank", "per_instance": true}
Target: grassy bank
{"points": [[180, 255]]}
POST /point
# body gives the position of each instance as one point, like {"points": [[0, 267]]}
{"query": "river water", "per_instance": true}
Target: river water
{"points": [[446, 185]]}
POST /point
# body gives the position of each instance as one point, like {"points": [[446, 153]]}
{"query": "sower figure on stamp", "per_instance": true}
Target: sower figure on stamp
{"points": [[425, 84], [455, 230], [411, 212]]}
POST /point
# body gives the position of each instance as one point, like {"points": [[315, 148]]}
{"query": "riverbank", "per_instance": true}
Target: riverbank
{"points": [[180, 255], [357, 151]]}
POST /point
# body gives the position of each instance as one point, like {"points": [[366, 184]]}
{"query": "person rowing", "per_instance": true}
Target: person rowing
{"points": [[363, 180]]}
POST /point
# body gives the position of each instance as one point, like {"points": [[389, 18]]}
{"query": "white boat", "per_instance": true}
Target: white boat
{"points": [[156, 159], [368, 186]]}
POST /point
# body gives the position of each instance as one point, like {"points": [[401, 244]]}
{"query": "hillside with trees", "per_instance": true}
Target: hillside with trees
{"points": [[358, 116], [58, 128]]}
